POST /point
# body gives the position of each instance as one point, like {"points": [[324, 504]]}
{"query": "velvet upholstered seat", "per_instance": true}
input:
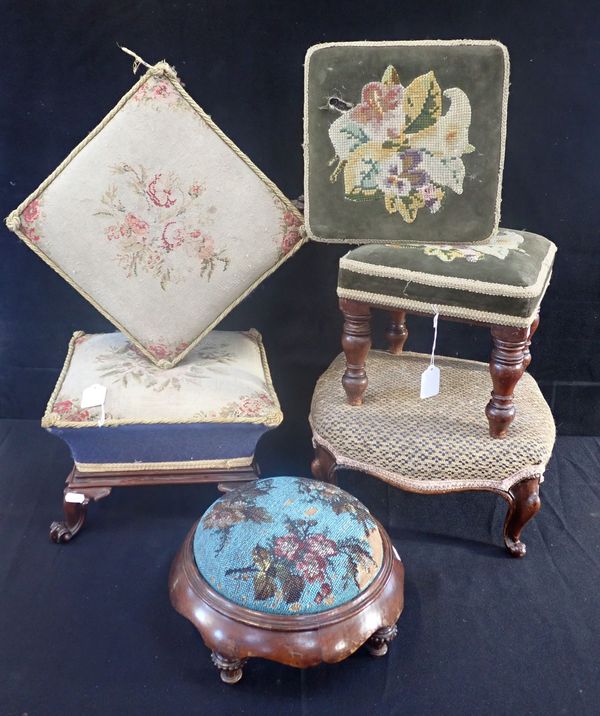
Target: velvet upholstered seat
{"points": [[500, 281]]}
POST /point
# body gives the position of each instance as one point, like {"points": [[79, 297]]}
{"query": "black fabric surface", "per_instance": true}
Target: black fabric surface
{"points": [[87, 627]]}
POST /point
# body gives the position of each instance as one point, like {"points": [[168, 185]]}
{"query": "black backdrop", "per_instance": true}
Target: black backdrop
{"points": [[243, 62]]}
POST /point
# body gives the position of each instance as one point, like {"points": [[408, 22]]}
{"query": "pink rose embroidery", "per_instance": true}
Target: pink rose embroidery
{"points": [[160, 191], [31, 211], [138, 226], [65, 406], [287, 546], [195, 190], [173, 236], [312, 567], [376, 100], [321, 545], [290, 240]]}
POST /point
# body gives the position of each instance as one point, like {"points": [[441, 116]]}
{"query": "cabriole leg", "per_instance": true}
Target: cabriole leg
{"points": [[523, 504], [75, 504]]}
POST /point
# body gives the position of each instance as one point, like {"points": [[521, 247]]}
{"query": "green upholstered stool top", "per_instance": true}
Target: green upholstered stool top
{"points": [[288, 545], [501, 281]]}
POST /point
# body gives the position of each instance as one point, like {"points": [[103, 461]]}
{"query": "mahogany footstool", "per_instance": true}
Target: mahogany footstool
{"points": [[288, 569], [438, 444]]}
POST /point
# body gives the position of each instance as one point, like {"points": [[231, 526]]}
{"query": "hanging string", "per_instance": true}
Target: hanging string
{"points": [[137, 60]]}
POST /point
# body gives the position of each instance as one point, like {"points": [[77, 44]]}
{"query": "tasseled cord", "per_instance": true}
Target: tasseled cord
{"points": [[137, 60]]}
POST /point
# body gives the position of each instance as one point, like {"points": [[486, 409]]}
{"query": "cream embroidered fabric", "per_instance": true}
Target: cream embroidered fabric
{"points": [[225, 378], [439, 444], [159, 220]]}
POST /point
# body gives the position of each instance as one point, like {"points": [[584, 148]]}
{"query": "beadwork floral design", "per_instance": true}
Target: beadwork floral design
{"points": [[285, 564], [159, 225], [499, 247], [397, 146]]}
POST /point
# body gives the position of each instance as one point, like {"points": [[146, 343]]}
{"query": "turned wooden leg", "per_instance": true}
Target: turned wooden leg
{"points": [[507, 365], [396, 333], [75, 504], [533, 328], [378, 643], [323, 466], [356, 341], [230, 670], [523, 504]]}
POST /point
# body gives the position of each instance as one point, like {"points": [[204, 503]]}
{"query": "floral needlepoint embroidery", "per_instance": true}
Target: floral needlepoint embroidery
{"points": [[397, 146], [32, 213], [290, 230], [151, 220], [499, 247]]}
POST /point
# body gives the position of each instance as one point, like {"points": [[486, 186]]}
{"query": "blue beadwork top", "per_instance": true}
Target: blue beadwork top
{"points": [[288, 545]]}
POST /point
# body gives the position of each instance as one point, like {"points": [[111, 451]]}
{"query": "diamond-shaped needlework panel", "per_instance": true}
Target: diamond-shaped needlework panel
{"points": [[159, 220], [404, 141]]}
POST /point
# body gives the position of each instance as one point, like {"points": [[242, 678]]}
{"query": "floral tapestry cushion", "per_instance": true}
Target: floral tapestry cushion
{"points": [[404, 141], [288, 545], [209, 410], [159, 220], [501, 281]]}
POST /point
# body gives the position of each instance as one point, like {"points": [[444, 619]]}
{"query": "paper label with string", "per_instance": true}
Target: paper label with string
{"points": [[93, 397], [430, 377]]}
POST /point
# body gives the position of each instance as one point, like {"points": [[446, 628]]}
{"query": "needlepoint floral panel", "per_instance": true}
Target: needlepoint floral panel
{"points": [[288, 545], [404, 141], [159, 220]]}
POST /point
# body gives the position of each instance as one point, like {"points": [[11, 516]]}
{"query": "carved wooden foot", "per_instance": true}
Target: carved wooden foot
{"points": [[323, 466], [532, 330], [356, 341], [378, 643], [230, 670], [523, 504], [396, 332], [507, 365], [75, 504]]}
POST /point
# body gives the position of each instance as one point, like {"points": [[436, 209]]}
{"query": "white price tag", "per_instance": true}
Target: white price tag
{"points": [[430, 377], [93, 397], [430, 381], [76, 497]]}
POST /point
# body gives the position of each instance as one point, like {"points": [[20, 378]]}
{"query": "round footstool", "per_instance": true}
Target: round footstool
{"points": [[288, 569]]}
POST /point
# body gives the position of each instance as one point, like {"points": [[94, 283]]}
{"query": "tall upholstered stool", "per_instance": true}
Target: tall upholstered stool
{"points": [[436, 445], [404, 149], [197, 422], [288, 569]]}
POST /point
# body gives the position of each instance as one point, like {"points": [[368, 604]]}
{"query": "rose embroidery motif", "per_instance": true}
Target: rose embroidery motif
{"points": [[70, 409], [157, 92], [290, 229], [257, 405], [397, 146], [286, 564], [31, 214], [499, 247], [153, 234]]}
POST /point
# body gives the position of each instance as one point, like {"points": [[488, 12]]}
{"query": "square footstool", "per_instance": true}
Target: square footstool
{"points": [[435, 445], [197, 422], [288, 569]]}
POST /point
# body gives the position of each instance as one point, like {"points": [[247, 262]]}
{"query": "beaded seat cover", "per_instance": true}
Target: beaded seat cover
{"points": [[208, 411], [404, 140], [501, 281], [288, 545], [440, 444], [159, 220]]}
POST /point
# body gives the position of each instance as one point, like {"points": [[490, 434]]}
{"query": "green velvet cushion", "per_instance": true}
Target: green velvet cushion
{"points": [[500, 281], [404, 141]]}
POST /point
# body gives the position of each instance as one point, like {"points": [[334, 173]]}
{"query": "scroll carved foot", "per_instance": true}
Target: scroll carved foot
{"points": [[323, 466], [356, 341], [75, 504], [230, 670], [507, 365], [396, 332], [523, 504], [378, 643]]}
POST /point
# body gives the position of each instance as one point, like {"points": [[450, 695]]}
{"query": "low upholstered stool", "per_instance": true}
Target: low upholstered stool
{"points": [[288, 569], [499, 284], [435, 445], [197, 422]]}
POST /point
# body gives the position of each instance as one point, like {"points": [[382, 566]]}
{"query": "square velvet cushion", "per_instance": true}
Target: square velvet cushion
{"points": [[404, 141], [208, 411], [159, 220]]}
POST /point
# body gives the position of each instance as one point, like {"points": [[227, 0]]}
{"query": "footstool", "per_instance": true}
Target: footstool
{"points": [[197, 422], [438, 444], [288, 569]]}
